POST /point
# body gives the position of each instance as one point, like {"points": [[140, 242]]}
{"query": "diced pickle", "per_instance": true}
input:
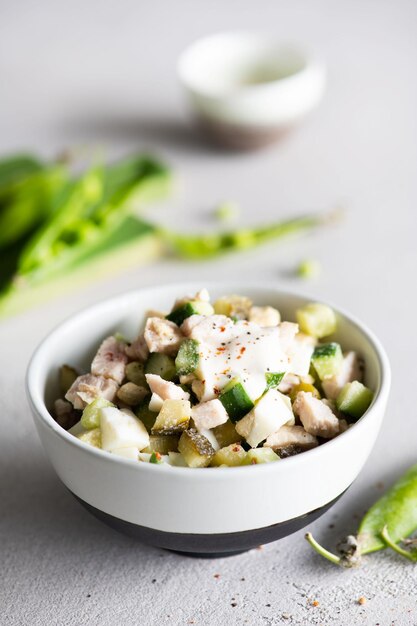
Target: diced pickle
{"points": [[162, 444], [132, 394], [92, 437], [260, 455], [145, 415], [226, 434], [302, 386], [162, 365], [173, 418], [135, 373], [67, 375], [231, 456], [195, 448]]}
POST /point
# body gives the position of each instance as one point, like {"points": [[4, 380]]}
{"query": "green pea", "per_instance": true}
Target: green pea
{"points": [[389, 520]]}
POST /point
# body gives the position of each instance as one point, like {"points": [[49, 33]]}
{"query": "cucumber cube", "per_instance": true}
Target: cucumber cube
{"points": [[327, 360], [162, 365], [231, 456], [188, 357], [196, 307], [260, 455], [354, 399], [91, 414], [235, 400], [316, 319], [273, 379]]}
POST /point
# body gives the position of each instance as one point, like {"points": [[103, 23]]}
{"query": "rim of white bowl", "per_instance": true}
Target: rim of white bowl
{"points": [[37, 403], [311, 64]]}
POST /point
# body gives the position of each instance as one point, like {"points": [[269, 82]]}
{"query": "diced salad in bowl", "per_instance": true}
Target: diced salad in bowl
{"points": [[217, 384]]}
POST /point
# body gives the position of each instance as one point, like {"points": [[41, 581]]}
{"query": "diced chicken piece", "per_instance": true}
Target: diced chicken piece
{"points": [[312, 341], [138, 350], [110, 360], [162, 336], [201, 296], [155, 313], [211, 327], [299, 354], [351, 370], [65, 414], [264, 315], [316, 417], [271, 412], [189, 323], [287, 332], [291, 436], [344, 425], [88, 387], [165, 389], [209, 414], [288, 382]]}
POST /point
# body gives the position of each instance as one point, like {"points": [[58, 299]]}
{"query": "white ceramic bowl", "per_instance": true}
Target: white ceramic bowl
{"points": [[204, 511], [247, 89]]}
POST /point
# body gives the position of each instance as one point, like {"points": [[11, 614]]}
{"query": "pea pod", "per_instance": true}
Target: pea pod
{"points": [[388, 521], [206, 246]]}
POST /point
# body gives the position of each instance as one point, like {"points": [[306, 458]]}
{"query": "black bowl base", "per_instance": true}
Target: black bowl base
{"points": [[204, 545]]}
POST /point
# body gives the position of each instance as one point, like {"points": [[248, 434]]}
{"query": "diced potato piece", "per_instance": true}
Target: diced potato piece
{"points": [[67, 376], [260, 455], [162, 444], [272, 411], [128, 453], [231, 456], [155, 403], [92, 437], [176, 459], [132, 394], [135, 373], [195, 448], [226, 434], [122, 429], [264, 315], [233, 306], [173, 418], [316, 319]]}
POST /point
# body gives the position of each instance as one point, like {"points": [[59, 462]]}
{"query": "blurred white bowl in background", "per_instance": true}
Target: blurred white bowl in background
{"points": [[247, 89]]}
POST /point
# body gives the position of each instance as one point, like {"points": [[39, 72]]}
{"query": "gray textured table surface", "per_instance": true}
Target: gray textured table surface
{"points": [[103, 73]]}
